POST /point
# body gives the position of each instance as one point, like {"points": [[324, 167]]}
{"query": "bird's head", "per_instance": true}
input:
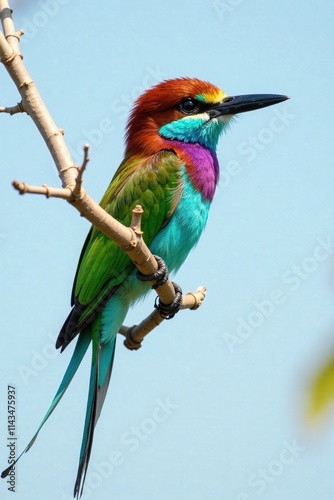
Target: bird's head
{"points": [[187, 110]]}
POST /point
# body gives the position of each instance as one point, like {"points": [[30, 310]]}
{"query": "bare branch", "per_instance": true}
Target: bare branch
{"points": [[18, 108], [23, 188], [31, 99], [11, 36], [77, 190], [135, 334], [193, 300]]}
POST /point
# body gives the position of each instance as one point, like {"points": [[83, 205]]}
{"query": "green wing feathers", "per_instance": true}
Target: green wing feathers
{"points": [[155, 183]]}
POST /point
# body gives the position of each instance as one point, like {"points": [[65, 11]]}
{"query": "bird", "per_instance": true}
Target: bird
{"points": [[170, 168]]}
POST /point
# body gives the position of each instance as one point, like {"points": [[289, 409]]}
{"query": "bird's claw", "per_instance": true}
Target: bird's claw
{"points": [[160, 276], [169, 311]]}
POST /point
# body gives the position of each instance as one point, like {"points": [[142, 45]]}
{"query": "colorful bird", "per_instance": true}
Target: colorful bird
{"points": [[171, 169]]}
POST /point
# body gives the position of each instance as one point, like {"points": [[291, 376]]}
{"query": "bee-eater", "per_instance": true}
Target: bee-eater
{"points": [[170, 168]]}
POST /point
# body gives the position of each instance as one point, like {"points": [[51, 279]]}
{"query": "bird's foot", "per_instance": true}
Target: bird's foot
{"points": [[169, 311], [160, 276]]}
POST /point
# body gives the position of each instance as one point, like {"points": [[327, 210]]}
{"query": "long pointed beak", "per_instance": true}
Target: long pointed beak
{"points": [[242, 103]]}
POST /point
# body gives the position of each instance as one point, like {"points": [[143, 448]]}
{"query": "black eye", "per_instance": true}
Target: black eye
{"points": [[188, 105]]}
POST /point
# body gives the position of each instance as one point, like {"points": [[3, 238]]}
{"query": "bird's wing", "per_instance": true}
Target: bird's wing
{"points": [[155, 183]]}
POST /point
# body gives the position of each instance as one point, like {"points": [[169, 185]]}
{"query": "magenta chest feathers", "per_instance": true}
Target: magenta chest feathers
{"points": [[201, 167]]}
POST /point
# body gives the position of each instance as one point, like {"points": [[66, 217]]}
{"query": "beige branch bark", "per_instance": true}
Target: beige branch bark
{"points": [[129, 239]]}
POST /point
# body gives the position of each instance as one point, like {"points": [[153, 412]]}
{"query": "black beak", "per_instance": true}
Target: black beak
{"points": [[242, 103]]}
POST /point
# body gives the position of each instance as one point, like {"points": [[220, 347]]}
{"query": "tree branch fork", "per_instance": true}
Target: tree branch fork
{"points": [[129, 239]]}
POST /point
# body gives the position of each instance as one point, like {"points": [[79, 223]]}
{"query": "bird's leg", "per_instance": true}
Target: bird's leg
{"points": [[160, 277], [168, 311]]}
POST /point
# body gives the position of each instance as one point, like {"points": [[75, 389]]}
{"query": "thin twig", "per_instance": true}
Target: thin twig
{"points": [[49, 192], [18, 108]]}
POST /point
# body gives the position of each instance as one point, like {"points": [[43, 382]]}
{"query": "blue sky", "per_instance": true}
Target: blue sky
{"points": [[212, 405]]}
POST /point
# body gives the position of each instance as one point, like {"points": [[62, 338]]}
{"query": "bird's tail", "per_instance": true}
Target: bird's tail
{"points": [[102, 363], [78, 354]]}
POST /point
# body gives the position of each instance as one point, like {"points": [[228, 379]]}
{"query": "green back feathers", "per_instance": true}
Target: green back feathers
{"points": [[155, 184]]}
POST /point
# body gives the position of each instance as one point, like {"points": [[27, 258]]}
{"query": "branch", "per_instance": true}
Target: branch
{"points": [[135, 334], [129, 239], [13, 109], [32, 101]]}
